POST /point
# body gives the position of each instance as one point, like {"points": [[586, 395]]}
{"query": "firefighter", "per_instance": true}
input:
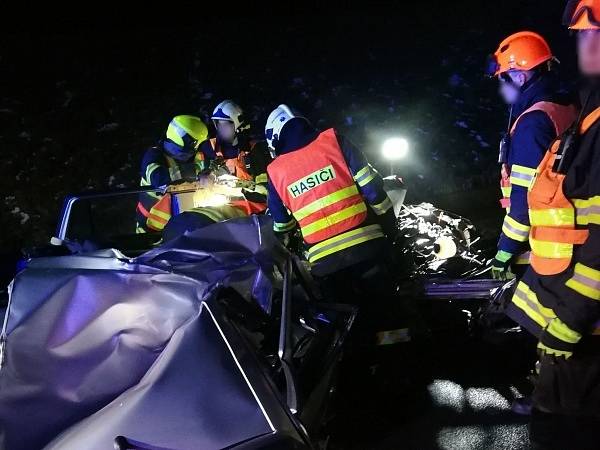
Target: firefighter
{"points": [[558, 298], [233, 149], [523, 64], [322, 184], [174, 158]]}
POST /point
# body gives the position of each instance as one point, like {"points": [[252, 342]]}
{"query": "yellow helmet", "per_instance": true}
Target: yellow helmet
{"points": [[184, 129]]}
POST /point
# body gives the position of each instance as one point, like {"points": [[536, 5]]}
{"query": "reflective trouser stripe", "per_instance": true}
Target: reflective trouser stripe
{"points": [[343, 241], [332, 219], [527, 301], [326, 201], [586, 281]]}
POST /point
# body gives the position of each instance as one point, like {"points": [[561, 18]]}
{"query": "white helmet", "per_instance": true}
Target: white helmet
{"points": [[276, 121], [232, 112]]}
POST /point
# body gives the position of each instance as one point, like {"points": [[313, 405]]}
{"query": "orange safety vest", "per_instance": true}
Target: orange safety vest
{"points": [[562, 116], [317, 187], [236, 166], [553, 219]]}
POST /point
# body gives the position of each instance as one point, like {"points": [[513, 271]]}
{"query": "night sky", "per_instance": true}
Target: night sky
{"points": [[83, 95]]}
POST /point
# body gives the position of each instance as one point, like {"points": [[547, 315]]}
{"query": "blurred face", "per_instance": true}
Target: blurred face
{"points": [[510, 85], [226, 130], [588, 50]]}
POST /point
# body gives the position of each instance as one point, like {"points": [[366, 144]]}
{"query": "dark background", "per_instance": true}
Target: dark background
{"points": [[81, 99]]}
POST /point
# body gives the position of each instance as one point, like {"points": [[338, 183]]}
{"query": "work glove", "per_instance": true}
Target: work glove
{"points": [[500, 266], [558, 340]]}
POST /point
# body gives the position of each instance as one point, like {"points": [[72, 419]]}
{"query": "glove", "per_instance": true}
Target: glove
{"points": [[500, 266], [558, 340]]}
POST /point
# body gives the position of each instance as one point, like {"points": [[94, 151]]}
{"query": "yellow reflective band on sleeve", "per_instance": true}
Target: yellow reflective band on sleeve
{"points": [[515, 230], [260, 189], [526, 300], [555, 217], [560, 330], [149, 170], [334, 218], [523, 258], [383, 207], [586, 281], [343, 241], [284, 227], [144, 183], [521, 175], [323, 202], [365, 175], [261, 178], [588, 211]]}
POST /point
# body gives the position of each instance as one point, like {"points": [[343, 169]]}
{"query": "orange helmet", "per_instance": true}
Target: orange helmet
{"points": [[520, 51], [582, 15]]}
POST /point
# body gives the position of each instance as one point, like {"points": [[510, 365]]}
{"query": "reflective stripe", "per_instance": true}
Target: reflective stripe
{"points": [[365, 175], [157, 224], [334, 218], [383, 207], [343, 241], [261, 178], [586, 281], [283, 227], [554, 217], [180, 131], [560, 330], [588, 211], [160, 214], [149, 169], [139, 230], [523, 258], [323, 202], [521, 175], [546, 249], [515, 230], [527, 301]]}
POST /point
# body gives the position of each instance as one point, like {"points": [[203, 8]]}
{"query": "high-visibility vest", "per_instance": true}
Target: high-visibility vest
{"points": [[236, 166], [555, 227], [561, 116], [317, 187]]}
